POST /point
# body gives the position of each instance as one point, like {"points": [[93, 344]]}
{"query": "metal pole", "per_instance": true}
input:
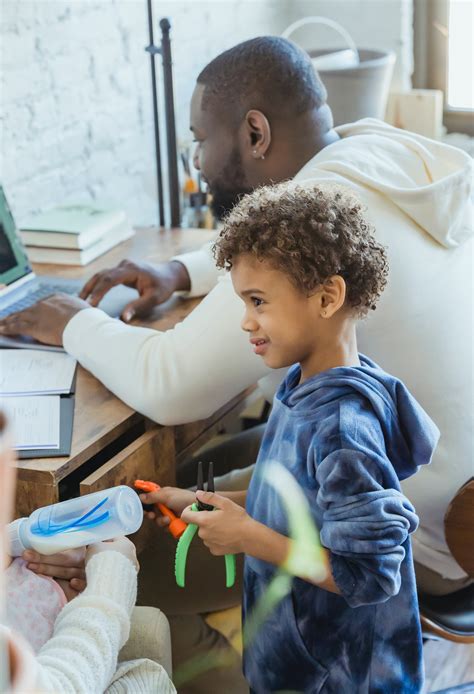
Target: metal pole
{"points": [[170, 123], [153, 50]]}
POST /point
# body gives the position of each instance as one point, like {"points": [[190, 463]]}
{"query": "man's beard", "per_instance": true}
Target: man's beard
{"points": [[229, 186]]}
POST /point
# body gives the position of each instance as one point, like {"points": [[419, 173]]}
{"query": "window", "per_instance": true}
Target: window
{"points": [[444, 57], [460, 82]]}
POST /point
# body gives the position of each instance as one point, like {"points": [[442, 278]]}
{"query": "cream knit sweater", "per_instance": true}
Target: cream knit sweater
{"points": [[81, 656]]}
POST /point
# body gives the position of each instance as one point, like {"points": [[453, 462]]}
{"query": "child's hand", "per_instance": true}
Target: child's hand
{"points": [[67, 587], [119, 544], [224, 530], [176, 499]]}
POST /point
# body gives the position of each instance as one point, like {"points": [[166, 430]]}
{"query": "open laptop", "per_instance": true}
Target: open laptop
{"points": [[20, 287]]}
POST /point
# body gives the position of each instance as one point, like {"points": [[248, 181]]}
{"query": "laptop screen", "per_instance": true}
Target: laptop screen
{"points": [[14, 262]]}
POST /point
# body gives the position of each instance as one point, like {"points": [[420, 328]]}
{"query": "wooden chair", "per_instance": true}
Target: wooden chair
{"points": [[451, 617]]}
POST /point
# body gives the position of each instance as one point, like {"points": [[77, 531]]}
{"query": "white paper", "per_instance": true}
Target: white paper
{"points": [[34, 420], [31, 372]]}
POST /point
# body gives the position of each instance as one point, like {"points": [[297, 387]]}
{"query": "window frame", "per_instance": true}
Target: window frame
{"points": [[431, 59]]}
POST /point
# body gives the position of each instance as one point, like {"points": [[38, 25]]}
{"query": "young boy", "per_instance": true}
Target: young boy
{"points": [[307, 267]]}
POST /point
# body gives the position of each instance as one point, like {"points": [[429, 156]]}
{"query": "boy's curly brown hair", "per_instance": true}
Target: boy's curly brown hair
{"points": [[310, 232]]}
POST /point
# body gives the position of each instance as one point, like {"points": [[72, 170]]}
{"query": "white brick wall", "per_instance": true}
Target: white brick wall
{"points": [[75, 85], [76, 96]]}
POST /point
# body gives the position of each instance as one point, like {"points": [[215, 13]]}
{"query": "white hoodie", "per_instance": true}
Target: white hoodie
{"points": [[418, 193]]}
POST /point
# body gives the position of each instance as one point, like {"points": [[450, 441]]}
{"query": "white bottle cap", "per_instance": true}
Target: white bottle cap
{"points": [[16, 546]]}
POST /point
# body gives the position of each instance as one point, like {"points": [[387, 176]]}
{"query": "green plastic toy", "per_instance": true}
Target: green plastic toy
{"points": [[188, 536]]}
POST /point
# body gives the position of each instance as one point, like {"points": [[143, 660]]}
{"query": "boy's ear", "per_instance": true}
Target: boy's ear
{"points": [[332, 296]]}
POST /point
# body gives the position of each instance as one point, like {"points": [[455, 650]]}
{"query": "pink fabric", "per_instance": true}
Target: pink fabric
{"points": [[33, 603]]}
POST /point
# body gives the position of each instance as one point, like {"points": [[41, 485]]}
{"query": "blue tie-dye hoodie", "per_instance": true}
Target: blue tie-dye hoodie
{"points": [[348, 435]]}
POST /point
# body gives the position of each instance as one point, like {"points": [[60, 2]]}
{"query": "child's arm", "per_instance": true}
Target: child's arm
{"points": [[232, 531], [266, 544], [178, 499], [237, 497], [366, 524], [90, 631]]}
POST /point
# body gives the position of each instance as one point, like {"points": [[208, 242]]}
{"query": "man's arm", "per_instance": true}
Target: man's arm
{"points": [[182, 375], [194, 273], [154, 284], [201, 269]]}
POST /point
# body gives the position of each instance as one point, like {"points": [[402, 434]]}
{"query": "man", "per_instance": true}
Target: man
{"points": [[259, 114]]}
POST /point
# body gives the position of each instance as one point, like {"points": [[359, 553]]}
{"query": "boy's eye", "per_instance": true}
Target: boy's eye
{"points": [[256, 301]]}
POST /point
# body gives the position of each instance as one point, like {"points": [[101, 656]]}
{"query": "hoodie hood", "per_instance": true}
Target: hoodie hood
{"points": [[410, 435], [429, 181]]}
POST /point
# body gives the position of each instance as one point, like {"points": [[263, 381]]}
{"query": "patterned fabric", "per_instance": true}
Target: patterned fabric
{"points": [[33, 603], [348, 435]]}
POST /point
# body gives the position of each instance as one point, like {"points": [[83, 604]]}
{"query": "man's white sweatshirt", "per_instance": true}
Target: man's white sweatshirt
{"points": [[419, 198]]}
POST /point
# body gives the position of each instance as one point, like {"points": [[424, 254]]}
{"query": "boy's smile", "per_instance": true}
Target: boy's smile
{"points": [[259, 345]]}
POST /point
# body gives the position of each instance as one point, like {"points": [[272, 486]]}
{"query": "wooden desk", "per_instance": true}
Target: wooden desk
{"points": [[112, 444]]}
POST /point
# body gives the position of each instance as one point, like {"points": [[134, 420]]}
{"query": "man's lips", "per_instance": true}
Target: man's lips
{"points": [[259, 345]]}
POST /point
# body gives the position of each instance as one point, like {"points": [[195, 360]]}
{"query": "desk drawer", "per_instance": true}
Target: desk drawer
{"points": [[150, 457]]}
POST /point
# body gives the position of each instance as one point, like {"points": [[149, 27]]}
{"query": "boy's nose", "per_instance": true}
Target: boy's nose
{"points": [[248, 324]]}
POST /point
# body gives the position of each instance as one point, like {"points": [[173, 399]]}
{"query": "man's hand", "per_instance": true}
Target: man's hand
{"points": [[46, 320], [224, 530], [155, 284], [69, 566], [176, 499]]}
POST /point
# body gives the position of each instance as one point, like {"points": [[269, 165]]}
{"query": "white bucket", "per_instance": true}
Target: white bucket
{"points": [[357, 80]]}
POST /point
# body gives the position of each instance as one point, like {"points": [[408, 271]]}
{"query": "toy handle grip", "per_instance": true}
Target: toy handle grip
{"points": [[176, 525], [229, 570], [165, 511]]}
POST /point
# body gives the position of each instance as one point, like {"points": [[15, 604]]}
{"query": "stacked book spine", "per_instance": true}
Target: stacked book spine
{"points": [[74, 234]]}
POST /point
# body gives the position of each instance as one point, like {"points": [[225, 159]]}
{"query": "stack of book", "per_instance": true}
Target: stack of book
{"points": [[74, 234], [36, 392]]}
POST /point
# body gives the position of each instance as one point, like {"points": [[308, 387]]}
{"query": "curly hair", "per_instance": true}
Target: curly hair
{"points": [[309, 232]]}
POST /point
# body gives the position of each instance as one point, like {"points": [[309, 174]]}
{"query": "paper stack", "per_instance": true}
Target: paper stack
{"points": [[74, 234], [35, 421], [31, 383]]}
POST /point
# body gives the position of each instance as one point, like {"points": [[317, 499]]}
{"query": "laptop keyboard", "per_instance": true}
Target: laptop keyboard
{"points": [[33, 297]]}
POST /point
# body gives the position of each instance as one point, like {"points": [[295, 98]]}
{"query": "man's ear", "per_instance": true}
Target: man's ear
{"points": [[332, 296], [257, 133]]}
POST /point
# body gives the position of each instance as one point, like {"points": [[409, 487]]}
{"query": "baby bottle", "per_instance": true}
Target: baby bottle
{"points": [[77, 522]]}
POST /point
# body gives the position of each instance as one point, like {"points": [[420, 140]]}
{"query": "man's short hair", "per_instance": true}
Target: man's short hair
{"points": [[309, 232], [269, 73]]}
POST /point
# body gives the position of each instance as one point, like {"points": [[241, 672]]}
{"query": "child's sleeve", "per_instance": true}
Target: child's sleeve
{"points": [[81, 656], [365, 525]]}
